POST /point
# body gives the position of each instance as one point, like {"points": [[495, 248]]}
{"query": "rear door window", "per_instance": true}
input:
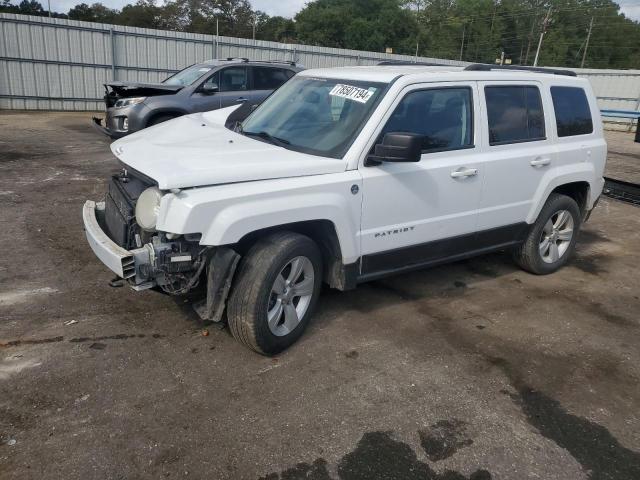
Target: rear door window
{"points": [[514, 113], [233, 79], [269, 78], [573, 115]]}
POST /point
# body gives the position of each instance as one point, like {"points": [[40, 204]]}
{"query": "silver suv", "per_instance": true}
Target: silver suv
{"points": [[201, 87]]}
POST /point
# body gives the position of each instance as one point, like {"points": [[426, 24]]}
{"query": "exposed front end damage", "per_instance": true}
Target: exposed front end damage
{"points": [[125, 108], [115, 91], [175, 264]]}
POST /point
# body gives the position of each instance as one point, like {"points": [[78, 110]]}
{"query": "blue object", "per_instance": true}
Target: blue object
{"points": [[620, 113]]}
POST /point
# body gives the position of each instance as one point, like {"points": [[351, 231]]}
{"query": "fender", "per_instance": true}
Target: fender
{"points": [[223, 214], [159, 111], [555, 177]]}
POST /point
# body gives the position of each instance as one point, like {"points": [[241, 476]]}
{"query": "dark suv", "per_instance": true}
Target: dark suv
{"points": [[201, 87]]}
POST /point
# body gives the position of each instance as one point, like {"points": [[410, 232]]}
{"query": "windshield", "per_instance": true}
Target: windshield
{"points": [[187, 76], [321, 116]]}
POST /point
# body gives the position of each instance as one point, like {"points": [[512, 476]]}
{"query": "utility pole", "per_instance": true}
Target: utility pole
{"points": [[464, 27], [217, 37], [584, 54], [526, 56], [255, 19], [544, 30], [49, 4]]}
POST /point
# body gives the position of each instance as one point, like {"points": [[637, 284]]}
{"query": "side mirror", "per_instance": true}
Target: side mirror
{"points": [[397, 147], [209, 88]]}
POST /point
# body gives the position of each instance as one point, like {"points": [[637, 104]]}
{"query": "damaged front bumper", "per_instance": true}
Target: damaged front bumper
{"points": [[127, 264], [97, 124], [139, 267]]}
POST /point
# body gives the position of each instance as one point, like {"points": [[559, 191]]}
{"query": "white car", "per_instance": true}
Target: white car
{"points": [[345, 175]]}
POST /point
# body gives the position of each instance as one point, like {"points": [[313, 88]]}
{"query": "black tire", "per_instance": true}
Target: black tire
{"points": [[160, 119], [252, 294], [528, 255]]}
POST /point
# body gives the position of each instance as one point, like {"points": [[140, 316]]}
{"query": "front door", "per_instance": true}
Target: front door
{"points": [[234, 86], [203, 100], [418, 213]]}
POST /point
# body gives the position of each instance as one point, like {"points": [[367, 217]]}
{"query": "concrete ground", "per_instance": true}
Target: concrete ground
{"points": [[474, 370], [623, 162]]}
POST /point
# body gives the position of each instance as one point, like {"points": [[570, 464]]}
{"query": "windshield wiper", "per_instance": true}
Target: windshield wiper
{"points": [[268, 137]]}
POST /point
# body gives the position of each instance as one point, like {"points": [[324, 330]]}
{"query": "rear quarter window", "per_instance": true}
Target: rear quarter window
{"points": [[573, 115]]}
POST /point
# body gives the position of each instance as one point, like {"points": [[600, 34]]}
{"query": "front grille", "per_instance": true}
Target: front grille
{"points": [[119, 212]]}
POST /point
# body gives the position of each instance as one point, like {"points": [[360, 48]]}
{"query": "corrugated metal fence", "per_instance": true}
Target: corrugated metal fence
{"points": [[57, 64]]}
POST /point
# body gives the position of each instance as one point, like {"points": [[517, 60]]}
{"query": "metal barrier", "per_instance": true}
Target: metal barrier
{"points": [[629, 114], [58, 64]]}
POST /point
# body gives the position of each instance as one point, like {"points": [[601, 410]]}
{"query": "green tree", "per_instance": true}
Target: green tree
{"points": [[31, 7], [144, 13], [357, 24], [96, 12], [7, 7], [277, 29]]}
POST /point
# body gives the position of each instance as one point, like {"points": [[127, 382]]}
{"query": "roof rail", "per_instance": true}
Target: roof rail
{"points": [[406, 62], [485, 67], [286, 62], [244, 59]]}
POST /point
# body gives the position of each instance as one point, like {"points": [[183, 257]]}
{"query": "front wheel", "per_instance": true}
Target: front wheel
{"points": [[552, 239], [275, 292]]}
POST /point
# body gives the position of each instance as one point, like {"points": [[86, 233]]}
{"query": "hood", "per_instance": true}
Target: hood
{"points": [[197, 150], [137, 89]]}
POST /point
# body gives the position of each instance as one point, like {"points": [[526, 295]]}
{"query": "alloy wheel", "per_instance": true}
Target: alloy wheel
{"points": [[291, 295], [556, 236]]}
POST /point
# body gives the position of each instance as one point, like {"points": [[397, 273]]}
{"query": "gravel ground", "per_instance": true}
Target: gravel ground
{"points": [[470, 371]]}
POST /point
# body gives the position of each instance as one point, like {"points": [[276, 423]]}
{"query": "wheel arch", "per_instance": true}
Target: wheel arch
{"points": [[579, 191], [321, 231], [174, 112], [581, 184]]}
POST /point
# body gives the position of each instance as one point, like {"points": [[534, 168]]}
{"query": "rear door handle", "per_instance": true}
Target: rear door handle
{"points": [[241, 99], [540, 162], [464, 172]]}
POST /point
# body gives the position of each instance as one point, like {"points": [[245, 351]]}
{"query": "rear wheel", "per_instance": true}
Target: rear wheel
{"points": [[275, 292], [552, 239]]}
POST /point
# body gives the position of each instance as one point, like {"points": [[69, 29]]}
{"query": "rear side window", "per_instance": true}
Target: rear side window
{"points": [[515, 114], [573, 116], [265, 78], [442, 115]]}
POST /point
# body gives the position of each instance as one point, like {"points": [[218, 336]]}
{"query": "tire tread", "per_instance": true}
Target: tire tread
{"points": [[242, 308]]}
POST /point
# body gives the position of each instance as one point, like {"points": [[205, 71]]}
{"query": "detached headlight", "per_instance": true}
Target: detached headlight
{"points": [[147, 208], [127, 102]]}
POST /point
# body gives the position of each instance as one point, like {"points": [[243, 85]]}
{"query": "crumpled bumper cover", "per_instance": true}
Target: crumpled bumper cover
{"points": [[124, 263], [97, 124]]}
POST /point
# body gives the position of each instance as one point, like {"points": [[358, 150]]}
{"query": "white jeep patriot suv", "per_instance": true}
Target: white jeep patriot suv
{"points": [[345, 175]]}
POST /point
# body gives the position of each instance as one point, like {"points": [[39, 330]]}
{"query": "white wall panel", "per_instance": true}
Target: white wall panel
{"points": [[50, 63]]}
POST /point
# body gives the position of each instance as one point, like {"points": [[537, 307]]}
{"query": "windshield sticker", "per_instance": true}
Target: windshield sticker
{"points": [[349, 92]]}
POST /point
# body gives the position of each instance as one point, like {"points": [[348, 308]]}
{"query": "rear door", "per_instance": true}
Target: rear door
{"points": [[519, 151]]}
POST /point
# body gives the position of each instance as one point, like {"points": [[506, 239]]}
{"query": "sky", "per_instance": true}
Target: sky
{"points": [[631, 8], [288, 8]]}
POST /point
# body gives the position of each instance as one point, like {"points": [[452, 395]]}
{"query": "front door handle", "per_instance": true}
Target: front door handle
{"points": [[540, 162], [465, 172], [241, 99]]}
